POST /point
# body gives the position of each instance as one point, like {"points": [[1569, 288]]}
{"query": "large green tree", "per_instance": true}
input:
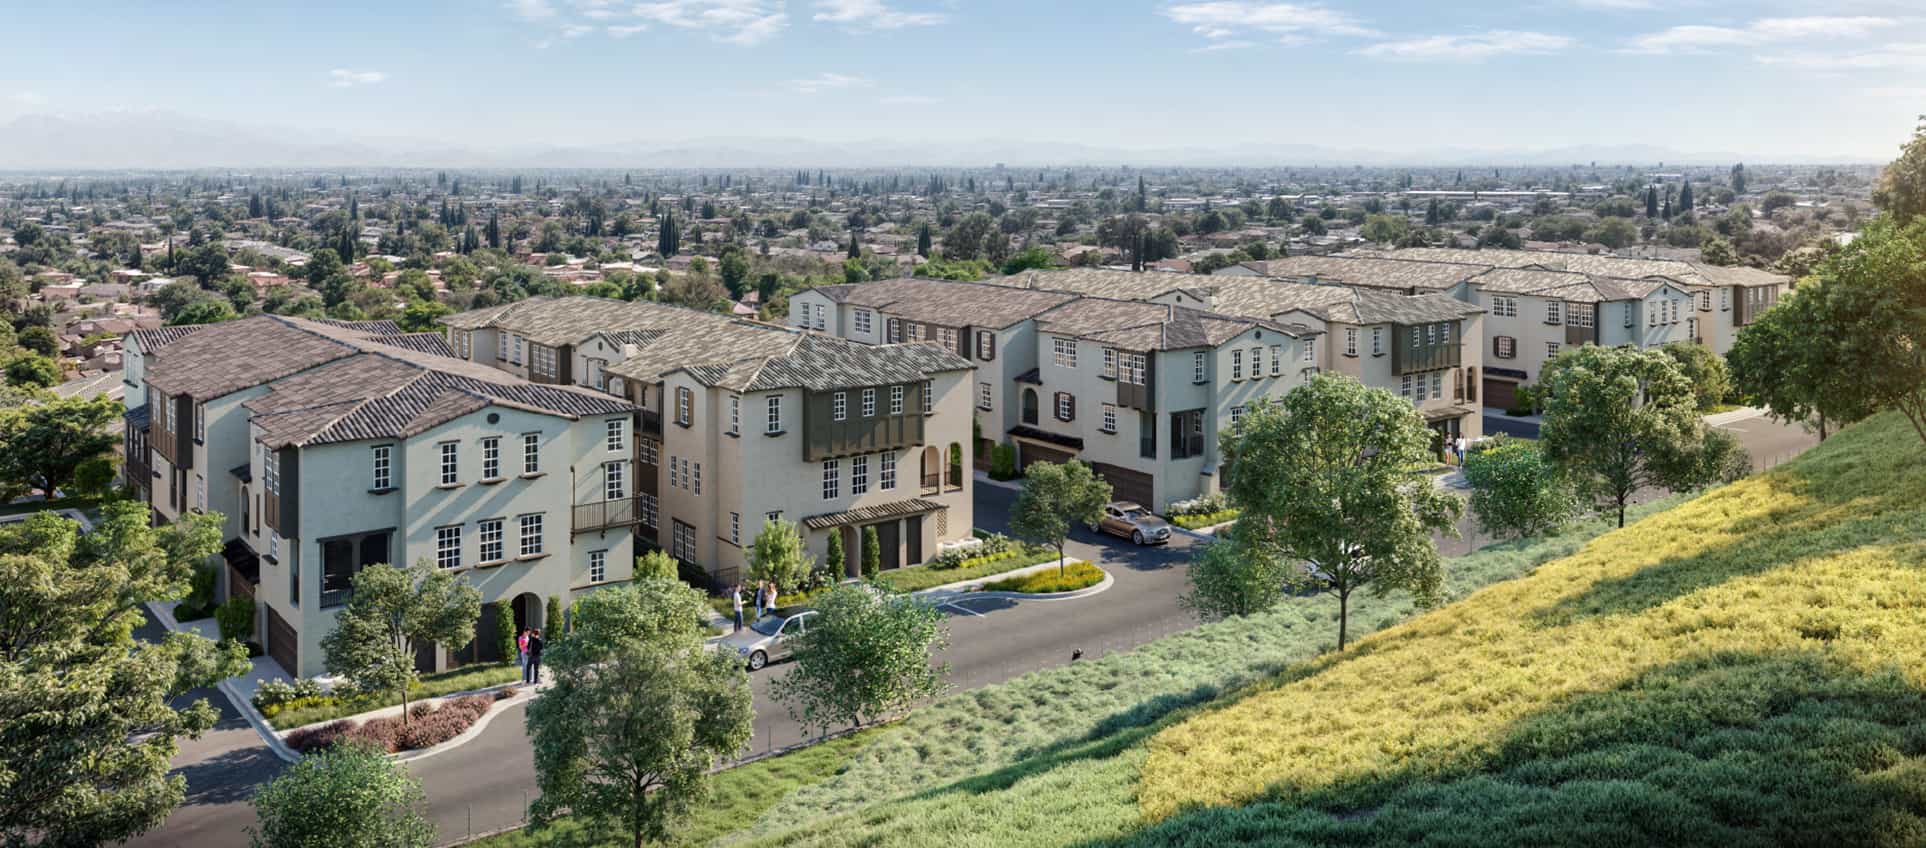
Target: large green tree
{"points": [[1901, 189], [41, 444], [343, 796], [777, 554], [1798, 375], [864, 656], [1619, 420], [1516, 491], [1053, 496], [1711, 380], [1322, 479], [638, 713], [392, 612], [88, 722]]}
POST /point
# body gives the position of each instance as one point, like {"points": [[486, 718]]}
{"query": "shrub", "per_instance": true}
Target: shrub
{"points": [[505, 630], [199, 603], [274, 694], [1003, 462], [379, 733], [1204, 505], [1205, 519], [1079, 575], [655, 564], [315, 738], [236, 619], [552, 621]]}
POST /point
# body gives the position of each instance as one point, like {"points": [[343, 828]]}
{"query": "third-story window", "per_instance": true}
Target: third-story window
{"points": [[839, 406], [684, 406], [1257, 362], [1504, 347], [1277, 360], [448, 546], [735, 414], [598, 566], [896, 400], [450, 467], [614, 436], [985, 345], [648, 510], [383, 467], [1197, 366], [1580, 316], [1066, 408], [1350, 341], [1554, 312], [1110, 418], [489, 531], [1065, 351], [614, 487], [1237, 365], [531, 453], [1310, 350], [650, 451], [863, 321], [886, 479], [775, 414], [531, 534], [929, 395], [1110, 362], [832, 478], [491, 458], [859, 475], [501, 346], [869, 403], [1134, 371]]}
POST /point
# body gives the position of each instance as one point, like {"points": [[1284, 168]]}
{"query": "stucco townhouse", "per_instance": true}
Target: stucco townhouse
{"points": [[740, 422], [329, 448], [1532, 315]]}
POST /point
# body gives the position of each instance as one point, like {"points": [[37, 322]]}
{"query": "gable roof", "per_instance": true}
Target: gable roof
{"points": [[1390, 272], [1141, 325], [947, 303], [1619, 267], [817, 362], [553, 321]]}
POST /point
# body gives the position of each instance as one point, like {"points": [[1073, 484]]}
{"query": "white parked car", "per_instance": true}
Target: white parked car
{"points": [[767, 638]]}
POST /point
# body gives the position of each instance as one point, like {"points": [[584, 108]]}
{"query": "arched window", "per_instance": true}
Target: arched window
{"points": [[956, 465], [1029, 406]]}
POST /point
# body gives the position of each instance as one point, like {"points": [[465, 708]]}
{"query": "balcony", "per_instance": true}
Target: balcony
{"points": [[606, 515]]}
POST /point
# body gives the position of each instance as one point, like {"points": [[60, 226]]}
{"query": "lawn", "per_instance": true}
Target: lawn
{"points": [[916, 578], [1076, 575], [463, 679]]}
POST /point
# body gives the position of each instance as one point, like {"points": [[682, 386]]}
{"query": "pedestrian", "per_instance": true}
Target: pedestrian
{"points": [[772, 596], [735, 596], [759, 597], [534, 674], [1460, 448], [521, 652]]}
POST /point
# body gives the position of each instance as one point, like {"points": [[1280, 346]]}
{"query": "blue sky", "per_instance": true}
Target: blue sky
{"points": [[1759, 78]]}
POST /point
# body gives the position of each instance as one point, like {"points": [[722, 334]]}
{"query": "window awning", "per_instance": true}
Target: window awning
{"points": [[868, 514], [1025, 431]]}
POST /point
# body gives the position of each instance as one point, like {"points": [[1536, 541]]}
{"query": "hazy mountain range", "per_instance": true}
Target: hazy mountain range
{"points": [[166, 140]]}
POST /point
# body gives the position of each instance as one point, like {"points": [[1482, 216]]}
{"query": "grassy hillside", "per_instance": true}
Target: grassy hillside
{"points": [[1745, 669]]}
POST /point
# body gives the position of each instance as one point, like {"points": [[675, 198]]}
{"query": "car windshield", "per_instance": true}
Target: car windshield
{"points": [[768, 625], [1134, 514]]}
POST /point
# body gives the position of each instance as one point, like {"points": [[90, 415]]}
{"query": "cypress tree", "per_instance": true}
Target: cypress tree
{"points": [[923, 241], [1685, 197], [1651, 202], [855, 249]]}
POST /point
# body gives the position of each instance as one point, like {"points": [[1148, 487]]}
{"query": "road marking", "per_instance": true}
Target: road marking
{"points": [[958, 606]]}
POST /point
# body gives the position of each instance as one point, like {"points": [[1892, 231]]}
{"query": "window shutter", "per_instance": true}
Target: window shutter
{"points": [[1073, 407]]}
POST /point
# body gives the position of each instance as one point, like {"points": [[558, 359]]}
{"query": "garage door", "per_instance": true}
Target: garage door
{"points": [[1128, 484], [1502, 394], [282, 643], [1028, 452]]}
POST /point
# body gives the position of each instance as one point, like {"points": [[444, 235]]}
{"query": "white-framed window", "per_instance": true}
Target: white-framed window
{"points": [[1310, 350], [869, 403], [501, 346], [200, 422], [695, 478], [614, 481], [1705, 301], [675, 472], [650, 452], [530, 538], [491, 458], [450, 464], [1502, 306], [1652, 313], [912, 331], [1404, 387], [1350, 341], [598, 566], [649, 506], [1725, 299], [1237, 365], [489, 531], [1257, 362], [983, 396], [1377, 341], [1110, 362], [822, 317], [839, 406], [735, 414], [863, 319], [1551, 349], [1504, 347], [542, 360], [1437, 385], [1444, 333], [682, 542], [1134, 370], [946, 336], [1110, 418], [1579, 315], [270, 471], [200, 492], [448, 546], [929, 395], [896, 400], [1065, 351], [172, 423], [886, 473], [1065, 408], [832, 478], [1197, 367], [1430, 334], [383, 468], [531, 453], [1236, 415], [515, 356], [858, 475], [985, 345], [735, 528], [1277, 360], [684, 406], [615, 436], [774, 424]]}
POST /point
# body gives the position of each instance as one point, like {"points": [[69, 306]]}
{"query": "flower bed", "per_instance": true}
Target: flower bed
{"points": [[288, 705], [1077, 575], [944, 571], [427, 726], [1204, 519]]}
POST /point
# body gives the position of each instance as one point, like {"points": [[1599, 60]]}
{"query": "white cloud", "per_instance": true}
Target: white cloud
{"points": [[626, 30], [827, 82], [533, 10], [1699, 38], [1467, 48], [872, 14], [344, 78], [743, 22], [906, 100], [1236, 20], [576, 30], [1223, 45], [1897, 56]]}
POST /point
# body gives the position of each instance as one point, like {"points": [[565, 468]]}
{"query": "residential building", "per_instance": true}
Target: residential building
{"points": [[1532, 315]]}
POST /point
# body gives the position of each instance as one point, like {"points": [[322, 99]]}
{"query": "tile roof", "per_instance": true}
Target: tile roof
{"points": [[1260, 296], [555, 321], [1689, 273], [434, 343], [1376, 272], [234, 355], [154, 339], [1569, 285], [819, 363], [948, 303]]}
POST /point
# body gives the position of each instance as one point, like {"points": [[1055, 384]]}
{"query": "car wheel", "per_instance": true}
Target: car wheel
{"points": [[757, 660], [1137, 537]]}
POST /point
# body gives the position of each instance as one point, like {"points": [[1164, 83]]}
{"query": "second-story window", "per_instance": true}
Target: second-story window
{"points": [[491, 458], [515, 355], [270, 471], [1257, 362], [869, 403], [383, 468], [929, 396], [1110, 418], [1310, 350], [863, 318], [448, 546], [450, 466], [1110, 362], [614, 486], [1197, 366], [531, 453], [531, 534], [1065, 351], [1277, 360], [615, 435], [1066, 406], [832, 478], [1377, 341], [1134, 371], [983, 395], [858, 475], [886, 479], [985, 345], [489, 531], [896, 400], [1237, 365], [501, 346], [775, 414], [839, 406], [1350, 341], [735, 414]]}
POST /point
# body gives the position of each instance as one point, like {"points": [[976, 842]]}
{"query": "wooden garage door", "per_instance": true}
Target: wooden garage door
{"points": [[282, 643], [1028, 452], [1500, 393], [1127, 484]]}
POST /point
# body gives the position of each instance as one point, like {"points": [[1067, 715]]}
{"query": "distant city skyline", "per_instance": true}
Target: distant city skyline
{"points": [[1765, 80]]}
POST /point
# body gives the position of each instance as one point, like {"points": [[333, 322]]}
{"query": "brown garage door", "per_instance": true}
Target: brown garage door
{"points": [[282, 643], [1502, 394], [1028, 452], [1127, 484]]}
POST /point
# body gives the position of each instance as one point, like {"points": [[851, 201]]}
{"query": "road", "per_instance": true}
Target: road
{"points": [[486, 784]]}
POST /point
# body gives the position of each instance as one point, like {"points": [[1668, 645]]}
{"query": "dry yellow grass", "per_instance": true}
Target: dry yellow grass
{"points": [[1817, 561]]}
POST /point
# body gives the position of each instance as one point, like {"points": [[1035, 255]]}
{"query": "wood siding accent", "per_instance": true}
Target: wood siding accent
{"points": [[1576, 335], [289, 513], [184, 440], [565, 365], [826, 438], [157, 436], [1408, 357], [1131, 395], [1751, 302]]}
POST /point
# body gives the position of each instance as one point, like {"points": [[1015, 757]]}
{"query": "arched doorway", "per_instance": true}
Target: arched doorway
{"points": [[528, 611], [955, 480], [1030, 406], [932, 470]]}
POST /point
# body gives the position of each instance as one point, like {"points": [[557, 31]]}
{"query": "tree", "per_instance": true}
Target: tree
{"points": [[1778, 363], [87, 723], [835, 561], [505, 635], [864, 656], [1901, 189], [734, 268], [969, 239], [33, 370], [1711, 382], [638, 712], [1738, 179], [1053, 496], [1229, 579], [923, 241], [872, 553], [351, 796], [1618, 420], [1385, 229], [1516, 491], [1321, 479], [42, 444], [1716, 250], [1685, 197], [391, 612], [420, 316], [39, 339], [777, 555]]}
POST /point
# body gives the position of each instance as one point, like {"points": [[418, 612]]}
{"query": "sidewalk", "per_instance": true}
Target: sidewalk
{"points": [[1734, 416]]}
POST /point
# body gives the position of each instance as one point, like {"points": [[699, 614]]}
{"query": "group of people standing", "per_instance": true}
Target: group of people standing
{"points": [[529, 646], [765, 599]]}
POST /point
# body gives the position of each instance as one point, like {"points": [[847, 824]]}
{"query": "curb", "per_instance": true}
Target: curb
{"points": [[984, 479], [1087, 591], [1205, 533], [1732, 417], [261, 728], [473, 730], [963, 586]]}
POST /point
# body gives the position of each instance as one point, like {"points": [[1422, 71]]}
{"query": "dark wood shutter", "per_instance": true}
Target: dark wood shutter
{"points": [[1073, 406]]}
